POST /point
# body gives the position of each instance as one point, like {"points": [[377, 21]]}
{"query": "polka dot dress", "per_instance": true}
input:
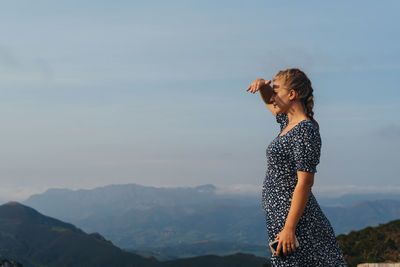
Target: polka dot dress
{"points": [[297, 150]]}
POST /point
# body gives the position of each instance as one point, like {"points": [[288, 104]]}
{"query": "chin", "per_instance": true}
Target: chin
{"points": [[278, 110]]}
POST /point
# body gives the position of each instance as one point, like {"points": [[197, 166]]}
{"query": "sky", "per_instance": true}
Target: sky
{"points": [[154, 92]]}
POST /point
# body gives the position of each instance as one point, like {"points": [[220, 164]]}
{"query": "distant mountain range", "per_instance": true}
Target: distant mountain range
{"points": [[148, 218], [203, 248], [36, 240], [353, 199], [135, 216], [363, 214]]}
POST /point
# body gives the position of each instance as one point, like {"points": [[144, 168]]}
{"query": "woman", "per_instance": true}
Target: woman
{"points": [[290, 207]]}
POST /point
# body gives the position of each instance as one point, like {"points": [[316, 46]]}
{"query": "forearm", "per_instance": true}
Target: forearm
{"points": [[266, 93], [299, 200]]}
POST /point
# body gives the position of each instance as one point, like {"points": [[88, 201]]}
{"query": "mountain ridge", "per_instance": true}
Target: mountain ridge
{"points": [[134, 216], [36, 240]]}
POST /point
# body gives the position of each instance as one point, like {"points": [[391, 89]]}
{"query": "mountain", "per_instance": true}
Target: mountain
{"points": [[236, 260], [203, 248], [372, 244], [354, 199], [135, 217], [362, 214], [9, 263], [116, 199], [37, 240]]}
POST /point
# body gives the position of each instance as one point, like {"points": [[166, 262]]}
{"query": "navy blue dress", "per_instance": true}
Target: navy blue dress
{"points": [[297, 150]]}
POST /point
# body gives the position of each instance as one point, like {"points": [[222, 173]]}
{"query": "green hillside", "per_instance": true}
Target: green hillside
{"points": [[236, 260], [372, 244], [37, 240]]}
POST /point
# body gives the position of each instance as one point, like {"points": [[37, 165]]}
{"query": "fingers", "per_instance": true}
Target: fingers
{"points": [[285, 248], [256, 85], [288, 248], [293, 247], [278, 249], [252, 89], [286, 244], [282, 248]]}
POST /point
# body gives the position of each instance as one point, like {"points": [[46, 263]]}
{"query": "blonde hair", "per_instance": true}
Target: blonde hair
{"points": [[297, 80]]}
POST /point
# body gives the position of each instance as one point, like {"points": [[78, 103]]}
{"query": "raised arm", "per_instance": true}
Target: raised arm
{"points": [[265, 90]]}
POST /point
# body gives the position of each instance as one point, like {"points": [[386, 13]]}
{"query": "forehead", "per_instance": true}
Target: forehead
{"points": [[278, 82]]}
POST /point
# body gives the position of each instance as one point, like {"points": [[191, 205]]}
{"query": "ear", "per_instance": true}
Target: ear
{"points": [[292, 94]]}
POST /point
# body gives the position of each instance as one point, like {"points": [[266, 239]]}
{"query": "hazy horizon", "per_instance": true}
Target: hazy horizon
{"points": [[234, 189], [97, 93]]}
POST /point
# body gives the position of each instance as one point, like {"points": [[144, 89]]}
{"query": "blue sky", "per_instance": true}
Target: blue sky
{"points": [[99, 92]]}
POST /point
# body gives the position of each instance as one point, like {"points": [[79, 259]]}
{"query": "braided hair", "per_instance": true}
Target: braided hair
{"points": [[297, 80]]}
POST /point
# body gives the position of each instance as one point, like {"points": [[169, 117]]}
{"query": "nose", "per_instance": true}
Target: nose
{"points": [[272, 98]]}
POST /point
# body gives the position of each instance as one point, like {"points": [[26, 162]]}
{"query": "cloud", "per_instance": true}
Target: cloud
{"points": [[17, 70], [19, 193], [391, 131], [8, 60], [238, 189]]}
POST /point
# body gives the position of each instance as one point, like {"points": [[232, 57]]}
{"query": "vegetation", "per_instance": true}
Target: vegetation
{"points": [[236, 260], [203, 248], [36, 240], [9, 263], [372, 244], [138, 217]]}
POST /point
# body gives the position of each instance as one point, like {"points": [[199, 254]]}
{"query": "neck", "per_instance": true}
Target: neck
{"points": [[296, 112]]}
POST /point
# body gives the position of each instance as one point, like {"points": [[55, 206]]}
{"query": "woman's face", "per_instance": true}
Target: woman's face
{"points": [[281, 97]]}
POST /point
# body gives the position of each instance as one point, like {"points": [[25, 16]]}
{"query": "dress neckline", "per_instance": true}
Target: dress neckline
{"points": [[279, 135]]}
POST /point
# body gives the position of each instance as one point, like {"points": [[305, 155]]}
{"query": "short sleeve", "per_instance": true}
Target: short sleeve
{"points": [[282, 119], [307, 148]]}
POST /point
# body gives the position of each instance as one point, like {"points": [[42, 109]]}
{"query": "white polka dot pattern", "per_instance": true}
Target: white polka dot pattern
{"points": [[297, 150]]}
